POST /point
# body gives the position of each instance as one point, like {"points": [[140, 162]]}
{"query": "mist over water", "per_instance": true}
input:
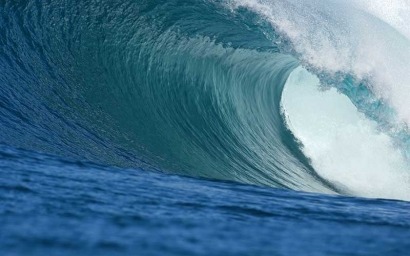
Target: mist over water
{"points": [[362, 51], [344, 145]]}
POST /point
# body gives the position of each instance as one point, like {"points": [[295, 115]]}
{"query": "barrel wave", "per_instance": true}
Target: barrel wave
{"points": [[228, 90]]}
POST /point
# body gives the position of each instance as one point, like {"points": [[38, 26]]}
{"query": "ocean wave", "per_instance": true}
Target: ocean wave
{"points": [[195, 88]]}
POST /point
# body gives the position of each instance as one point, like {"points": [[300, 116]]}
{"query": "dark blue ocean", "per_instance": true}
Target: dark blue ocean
{"points": [[204, 127], [55, 207]]}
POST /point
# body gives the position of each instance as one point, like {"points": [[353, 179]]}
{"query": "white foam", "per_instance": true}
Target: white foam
{"points": [[345, 147], [394, 12], [368, 39]]}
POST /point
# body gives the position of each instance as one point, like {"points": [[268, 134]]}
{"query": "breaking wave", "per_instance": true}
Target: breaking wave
{"points": [[305, 95]]}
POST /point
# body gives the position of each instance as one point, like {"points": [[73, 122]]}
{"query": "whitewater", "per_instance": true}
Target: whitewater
{"points": [[223, 127]]}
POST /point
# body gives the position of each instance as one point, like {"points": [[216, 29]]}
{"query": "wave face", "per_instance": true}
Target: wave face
{"points": [[259, 92]]}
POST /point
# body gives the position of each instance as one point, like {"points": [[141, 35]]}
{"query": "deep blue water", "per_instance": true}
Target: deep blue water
{"points": [[55, 207], [193, 127]]}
